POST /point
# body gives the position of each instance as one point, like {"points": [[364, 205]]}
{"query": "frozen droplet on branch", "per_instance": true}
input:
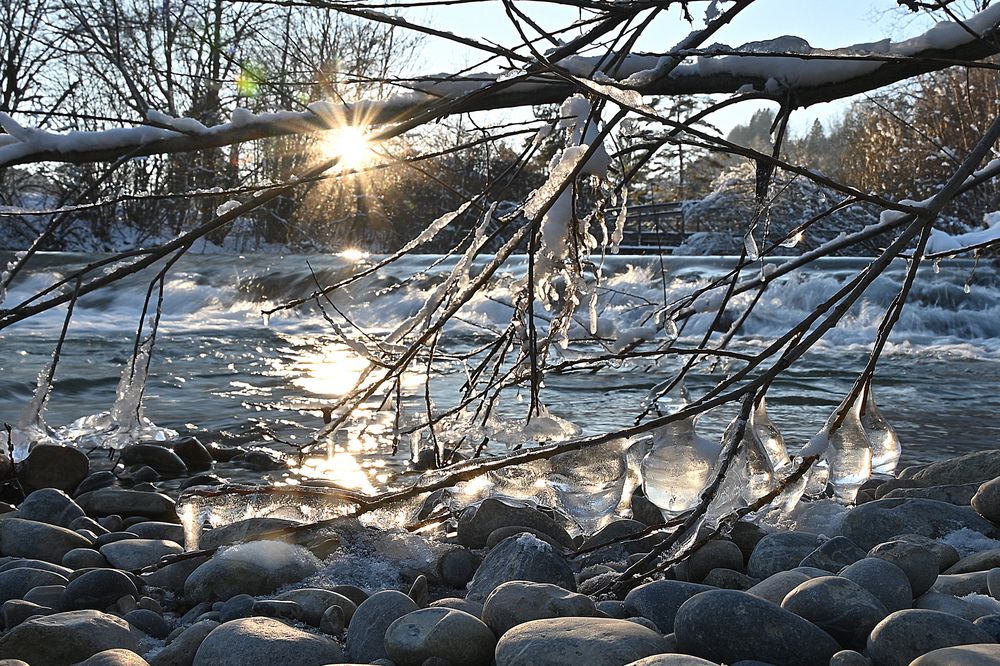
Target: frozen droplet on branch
{"points": [[749, 476], [849, 453], [881, 435], [589, 484]]}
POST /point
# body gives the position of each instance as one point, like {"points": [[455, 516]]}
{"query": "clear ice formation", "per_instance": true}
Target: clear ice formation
{"points": [[125, 424], [31, 429], [849, 454], [590, 483], [750, 474], [884, 443], [677, 467], [769, 436]]}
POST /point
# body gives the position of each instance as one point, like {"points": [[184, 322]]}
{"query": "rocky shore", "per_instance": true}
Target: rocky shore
{"points": [[911, 575]]}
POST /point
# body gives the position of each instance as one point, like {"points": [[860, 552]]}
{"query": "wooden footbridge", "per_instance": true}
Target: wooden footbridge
{"points": [[654, 228]]}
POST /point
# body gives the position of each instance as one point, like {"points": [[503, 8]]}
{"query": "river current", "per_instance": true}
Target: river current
{"points": [[223, 372]]}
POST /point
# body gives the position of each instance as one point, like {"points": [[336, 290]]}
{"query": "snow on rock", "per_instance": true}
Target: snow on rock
{"points": [[967, 541]]}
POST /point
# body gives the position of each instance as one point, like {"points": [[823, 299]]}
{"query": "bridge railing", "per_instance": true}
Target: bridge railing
{"points": [[652, 226]]}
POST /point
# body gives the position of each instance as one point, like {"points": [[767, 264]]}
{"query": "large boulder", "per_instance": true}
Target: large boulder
{"points": [[97, 589], [986, 501], [522, 557], [658, 601], [66, 638], [125, 503], [116, 657], [133, 554], [29, 538], [53, 466], [260, 640], [905, 635], [975, 467], [477, 522], [517, 602], [445, 633], [987, 654], [50, 505], [883, 579], [780, 551], [366, 632], [875, 522], [726, 626], [838, 606], [919, 564], [573, 641], [255, 568], [775, 587]]}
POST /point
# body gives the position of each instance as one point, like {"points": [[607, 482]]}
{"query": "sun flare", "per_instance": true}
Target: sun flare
{"points": [[350, 145]]}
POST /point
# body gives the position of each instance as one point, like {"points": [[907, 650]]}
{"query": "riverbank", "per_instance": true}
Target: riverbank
{"points": [[911, 570]]}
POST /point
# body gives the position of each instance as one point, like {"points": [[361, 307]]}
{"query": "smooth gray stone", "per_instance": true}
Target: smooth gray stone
{"points": [[160, 458], [134, 554], [445, 633], [947, 603], [993, 582], [333, 621], [919, 565], [746, 536], [148, 622], [66, 638], [726, 626], [984, 560], [975, 582], [355, 594], [47, 595], [125, 503], [314, 602], [886, 581], [29, 538], [990, 624], [614, 530], [986, 500], [947, 555], [28, 563], [774, 588], [780, 551], [905, 635], [155, 529], [838, 606], [194, 454], [16, 611], [84, 558], [261, 640], [255, 568], [96, 481], [50, 505], [242, 531], [977, 467], [671, 660], [112, 537], [876, 522], [833, 555], [502, 533], [367, 628], [960, 495], [173, 576], [517, 602], [471, 607], [456, 567], [116, 657], [89, 524], [477, 522], [987, 654], [236, 608], [849, 658], [574, 641], [97, 589], [729, 580], [287, 610], [715, 554], [53, 466], [658, 601], [521, 557], [420, 591], [612, 609]]}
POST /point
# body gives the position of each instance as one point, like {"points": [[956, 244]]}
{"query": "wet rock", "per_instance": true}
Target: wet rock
{"points": [[95, 481], [259, 640], [97, 589], [193, 453], [746, 536], [52, 506], [314, 602], [28, 538], [122, 502], [148, 622], [780, 551], [15, 583], [894, 484], [658, 601], [445, 633], [960, 585], [715, 554], [886, 581], [173, 576], [879, 521], [945, 554], [153, 529], [115, 657], [833, 555], [975, 467], [261, 460], [838, 606], [16, 611], [134, 554], [987, 654], [728, 579], [960, 495], [254, 568], [521, 558], [984, 560], [574, 641], [366, 632], [66, 638], [138, 474], [456, 567], [242, 531], [919, 565], [53, 466], [905, 635], [203, 480], [613, 531], [517, 602], [645, 511], [775, 587], [503, 533], [477, 522], [160, 458], [727, 626]]}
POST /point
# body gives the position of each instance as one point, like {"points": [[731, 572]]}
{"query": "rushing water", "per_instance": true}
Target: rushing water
{"points": [[221, 372]]}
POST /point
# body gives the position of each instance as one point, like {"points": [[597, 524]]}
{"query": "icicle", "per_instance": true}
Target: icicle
{"points": [[769, 436], [590, 483], [884, 443], [849, 454], [749, 477], [753, 252], [31, 429]]}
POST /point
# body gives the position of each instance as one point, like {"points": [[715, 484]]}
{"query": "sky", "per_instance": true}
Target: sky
{"points": [[823, 23]]}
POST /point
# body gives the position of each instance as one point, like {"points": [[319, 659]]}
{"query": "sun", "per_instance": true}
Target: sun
{"points": [[350, 145]]}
